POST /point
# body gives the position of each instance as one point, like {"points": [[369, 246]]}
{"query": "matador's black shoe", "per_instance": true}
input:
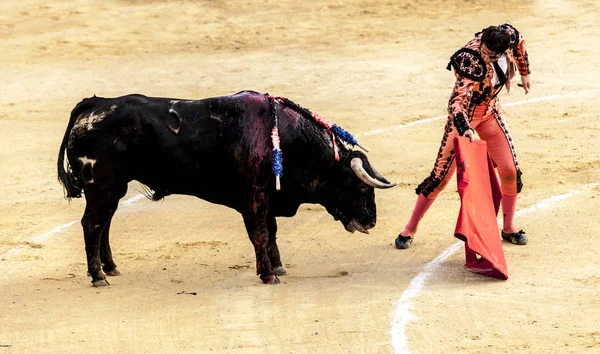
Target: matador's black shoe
{"points": [[402, 242], [518, 238]]}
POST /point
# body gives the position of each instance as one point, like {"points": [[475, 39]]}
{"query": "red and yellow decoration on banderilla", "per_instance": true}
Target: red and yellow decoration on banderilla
{"points": [[334, 130]]}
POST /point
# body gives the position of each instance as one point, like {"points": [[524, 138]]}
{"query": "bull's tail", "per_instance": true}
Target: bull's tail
{"points": [[65, 175]]}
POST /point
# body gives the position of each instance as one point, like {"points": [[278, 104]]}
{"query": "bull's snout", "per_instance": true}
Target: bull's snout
{"points": [[354, 225]]}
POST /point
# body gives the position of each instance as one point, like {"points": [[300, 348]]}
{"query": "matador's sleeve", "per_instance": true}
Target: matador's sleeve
{"points": [[517, 45], [470, 69], [460, 100]]}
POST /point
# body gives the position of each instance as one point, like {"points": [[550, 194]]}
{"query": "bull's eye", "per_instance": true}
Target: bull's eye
{"points": [[363, 188]]}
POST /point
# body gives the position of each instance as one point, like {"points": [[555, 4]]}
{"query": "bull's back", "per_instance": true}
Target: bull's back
{"points": [[174, 146]]}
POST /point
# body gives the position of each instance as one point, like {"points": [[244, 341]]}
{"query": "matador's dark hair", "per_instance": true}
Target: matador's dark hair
{"points": [[496, 39]]}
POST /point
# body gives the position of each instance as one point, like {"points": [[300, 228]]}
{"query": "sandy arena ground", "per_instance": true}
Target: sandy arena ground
{"points": [[365, 65]]}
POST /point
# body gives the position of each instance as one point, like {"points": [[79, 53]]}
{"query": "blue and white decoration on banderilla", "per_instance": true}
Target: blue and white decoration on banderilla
{"points": [[277, 158]]}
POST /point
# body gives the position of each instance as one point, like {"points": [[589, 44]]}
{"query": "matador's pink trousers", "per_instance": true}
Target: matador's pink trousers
{"points": [[491, 127]]}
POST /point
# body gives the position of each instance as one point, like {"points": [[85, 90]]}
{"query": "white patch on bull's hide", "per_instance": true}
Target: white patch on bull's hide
{"points": [[86, 160], [217, 118], [85, 122], [172, 111]]}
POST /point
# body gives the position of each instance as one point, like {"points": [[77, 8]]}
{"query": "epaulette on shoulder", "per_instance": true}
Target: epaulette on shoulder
{"points": [[514, 34], [468, 63]]}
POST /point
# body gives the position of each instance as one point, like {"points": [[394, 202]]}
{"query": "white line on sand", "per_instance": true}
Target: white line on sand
{"points": [[403, 314], [510, 104], [45, 236]]}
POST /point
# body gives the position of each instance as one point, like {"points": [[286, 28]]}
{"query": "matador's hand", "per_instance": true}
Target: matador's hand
{"points": [[470, 134], [525, 83]]}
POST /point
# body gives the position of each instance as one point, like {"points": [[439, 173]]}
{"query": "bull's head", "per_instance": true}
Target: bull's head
{"points": [[352, 192]]}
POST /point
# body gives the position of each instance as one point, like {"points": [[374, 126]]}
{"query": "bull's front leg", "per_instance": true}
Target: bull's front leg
{"points": [[256, 219], [256, 225], [273, 250]]}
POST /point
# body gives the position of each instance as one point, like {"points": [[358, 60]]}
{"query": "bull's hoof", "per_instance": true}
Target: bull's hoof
{"points": [[100, 283], [270, 279], [403, 242], [113, 273], [280, 271]]}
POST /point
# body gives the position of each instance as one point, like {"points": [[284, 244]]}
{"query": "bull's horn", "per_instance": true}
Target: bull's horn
{"points": [[378, 175], [359, 170]]}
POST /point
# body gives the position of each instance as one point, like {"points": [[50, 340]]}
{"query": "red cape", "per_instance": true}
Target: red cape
{"points": [[480, 197]]}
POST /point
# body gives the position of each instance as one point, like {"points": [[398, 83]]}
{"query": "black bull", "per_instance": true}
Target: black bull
{"points": [[217, 149]]}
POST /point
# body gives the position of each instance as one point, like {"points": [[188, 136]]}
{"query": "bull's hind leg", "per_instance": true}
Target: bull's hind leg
{"points": [[272, 248], [101, 204], [108, 265]]}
